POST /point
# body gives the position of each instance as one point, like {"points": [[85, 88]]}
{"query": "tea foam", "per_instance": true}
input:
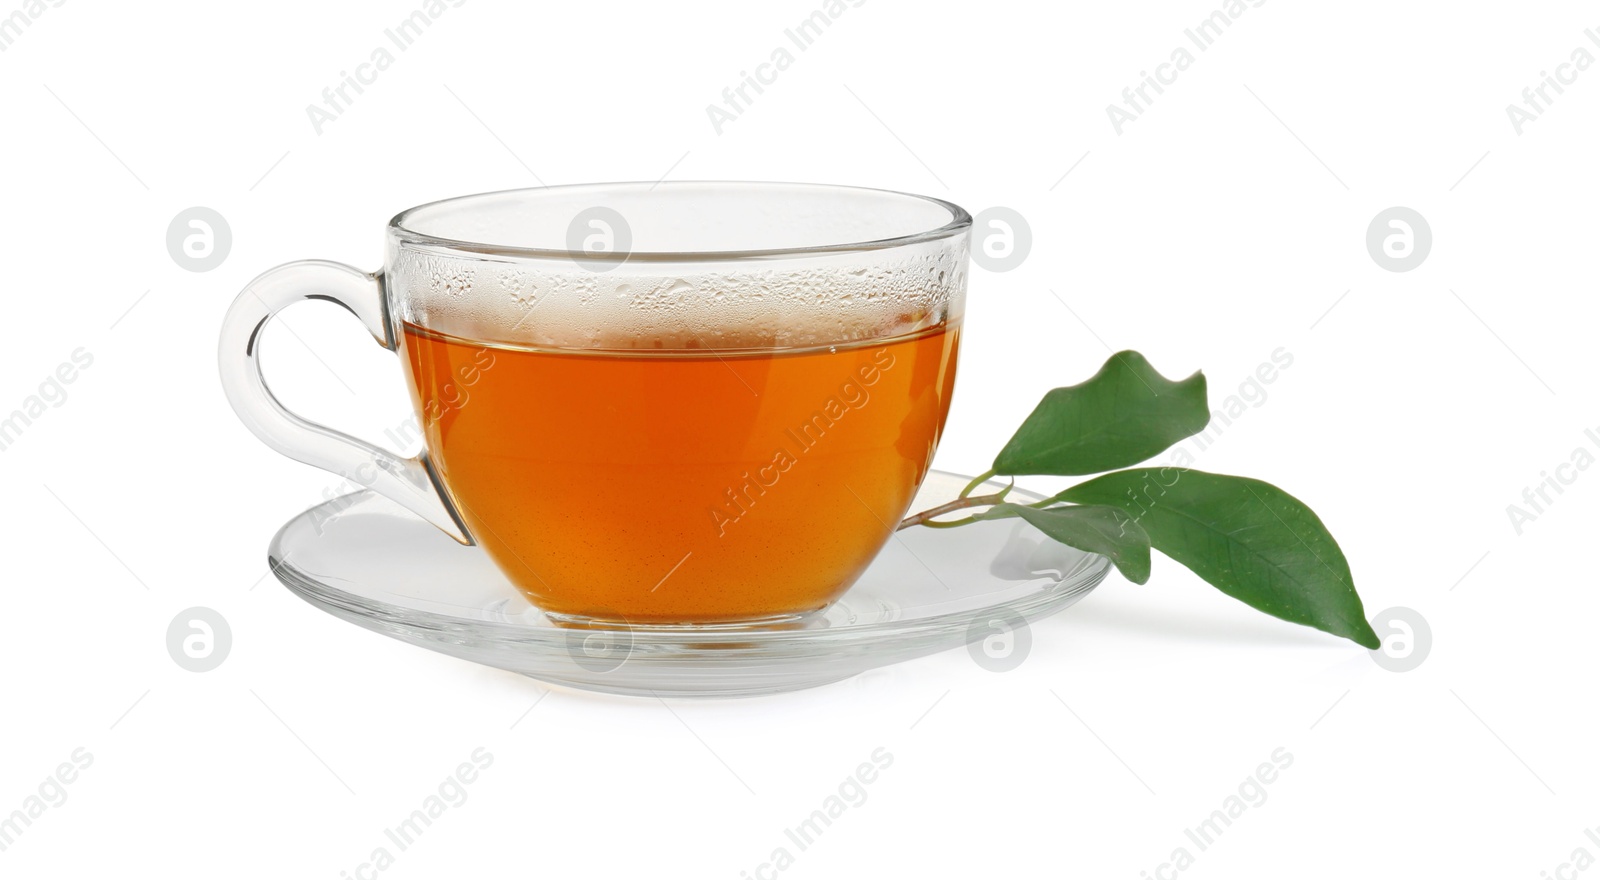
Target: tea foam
{"points": [[646, 305]]}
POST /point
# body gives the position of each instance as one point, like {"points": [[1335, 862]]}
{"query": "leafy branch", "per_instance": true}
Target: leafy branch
{"points": [[1249, 539]]}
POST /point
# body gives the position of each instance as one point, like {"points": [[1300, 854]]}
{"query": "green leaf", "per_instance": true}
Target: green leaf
{"points": [[1249, 539], [1123, 415], [1092, 528]]}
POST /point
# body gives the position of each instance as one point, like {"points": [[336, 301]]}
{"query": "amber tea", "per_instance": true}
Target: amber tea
{"points": [[683, 486]]}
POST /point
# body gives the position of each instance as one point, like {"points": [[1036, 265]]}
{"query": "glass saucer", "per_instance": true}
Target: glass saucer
{"points": [[371, 562]]}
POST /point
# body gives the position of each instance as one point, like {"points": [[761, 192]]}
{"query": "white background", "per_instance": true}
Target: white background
{"points": [[1220, 226]]}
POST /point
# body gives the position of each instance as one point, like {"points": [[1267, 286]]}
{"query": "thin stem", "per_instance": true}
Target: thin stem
{"points": [[976, 482], [947, 525], [925, 518]]}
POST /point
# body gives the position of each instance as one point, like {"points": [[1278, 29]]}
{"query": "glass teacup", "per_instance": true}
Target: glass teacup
{"points": [[667, 404]]}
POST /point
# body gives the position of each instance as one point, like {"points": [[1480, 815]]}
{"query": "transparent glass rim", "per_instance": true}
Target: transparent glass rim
{"points": [[398, 227]]}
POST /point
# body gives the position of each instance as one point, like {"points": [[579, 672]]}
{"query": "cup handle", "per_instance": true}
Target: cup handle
{"points": [[411, 482]]}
